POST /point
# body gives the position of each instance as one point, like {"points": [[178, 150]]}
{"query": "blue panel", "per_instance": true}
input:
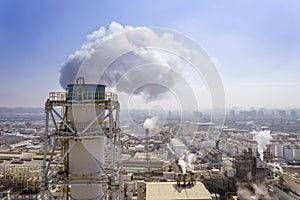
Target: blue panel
{"points": [[89, 92]]}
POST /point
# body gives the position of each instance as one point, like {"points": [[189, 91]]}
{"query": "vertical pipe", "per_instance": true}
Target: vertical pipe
{"points": [[43, 181], [66, 146], [147, 151], [112, 131], [121, 197]]}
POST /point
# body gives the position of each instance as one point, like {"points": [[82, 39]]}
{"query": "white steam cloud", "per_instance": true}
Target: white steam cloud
{"points": [[182, 164], [186, 162], [129, 50], [258, 192], [262, 138], [151, 123]]}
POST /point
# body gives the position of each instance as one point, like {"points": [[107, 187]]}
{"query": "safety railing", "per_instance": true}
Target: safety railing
{"points": [[83, 96], [58, 96]]}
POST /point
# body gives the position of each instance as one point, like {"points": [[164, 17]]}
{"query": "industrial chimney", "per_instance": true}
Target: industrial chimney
{"points": [[89, 119]]}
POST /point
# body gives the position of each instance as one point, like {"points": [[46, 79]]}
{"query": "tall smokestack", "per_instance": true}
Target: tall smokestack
{"points": [[149, 124], [147, 151], [84, 107]]}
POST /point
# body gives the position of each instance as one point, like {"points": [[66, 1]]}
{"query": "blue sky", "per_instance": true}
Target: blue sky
{"points": [[255, 44]]}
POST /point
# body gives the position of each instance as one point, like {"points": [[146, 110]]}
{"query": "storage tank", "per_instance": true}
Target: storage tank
{"points": [[139, 148], [288, 153], [273, 149], [26, 156], [279, 150], [297, 153]]}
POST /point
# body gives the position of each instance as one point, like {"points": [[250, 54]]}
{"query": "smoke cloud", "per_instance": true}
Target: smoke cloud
{"points": [[262, 138], [151, 123], [182, 164], [186, 162], [148, 64], [258, 191], [132, 59]]}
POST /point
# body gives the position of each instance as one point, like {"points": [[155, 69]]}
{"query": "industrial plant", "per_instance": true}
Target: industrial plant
{"points": [[84, 147]]}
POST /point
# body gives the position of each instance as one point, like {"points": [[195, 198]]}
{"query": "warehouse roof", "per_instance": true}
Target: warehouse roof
{"points": [[171, 191]]}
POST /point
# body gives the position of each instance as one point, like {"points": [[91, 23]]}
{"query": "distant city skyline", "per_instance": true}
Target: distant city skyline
{"points": [[255, 45]]}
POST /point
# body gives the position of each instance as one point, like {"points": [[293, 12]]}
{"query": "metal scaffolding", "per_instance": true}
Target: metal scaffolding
{"points": [[56, 181]]}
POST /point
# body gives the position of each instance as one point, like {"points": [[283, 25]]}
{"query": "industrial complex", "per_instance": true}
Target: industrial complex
{"points": [[85, 147]]}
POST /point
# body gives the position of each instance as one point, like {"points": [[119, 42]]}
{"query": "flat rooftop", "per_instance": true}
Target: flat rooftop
{"points": [[171, 191]]}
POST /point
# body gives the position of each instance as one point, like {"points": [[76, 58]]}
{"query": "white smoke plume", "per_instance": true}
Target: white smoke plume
{"points": [[151, 123], [263, 138], [119, 39], [261, 192], [245, 194], [186, 162], [190, 159], [257, 192], [182, 164]]}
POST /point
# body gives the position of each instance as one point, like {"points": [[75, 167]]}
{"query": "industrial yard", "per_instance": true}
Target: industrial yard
{"points": [[149, 100], [82, 150]]}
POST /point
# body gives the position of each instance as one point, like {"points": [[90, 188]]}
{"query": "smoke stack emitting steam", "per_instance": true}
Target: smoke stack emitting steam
{"points": [[186, 162], [151, 123], [262, 138], [118, 39]]}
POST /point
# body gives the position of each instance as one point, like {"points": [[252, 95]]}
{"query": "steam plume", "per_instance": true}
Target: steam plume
{"points": [[257, 192], [186, 162], [119, 39], [182, 164], [151, 123], [262, 138]]}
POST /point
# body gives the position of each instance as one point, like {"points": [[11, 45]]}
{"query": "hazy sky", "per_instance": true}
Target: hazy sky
{"points": [[254, 44]]}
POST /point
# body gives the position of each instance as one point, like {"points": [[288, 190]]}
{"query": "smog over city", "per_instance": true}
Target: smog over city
{"points": [[140, 100]]}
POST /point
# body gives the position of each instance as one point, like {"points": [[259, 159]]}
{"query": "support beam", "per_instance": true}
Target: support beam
{"points": [[44, 177], [53, 120], [64, 121], [61, 159], [52, 153]]}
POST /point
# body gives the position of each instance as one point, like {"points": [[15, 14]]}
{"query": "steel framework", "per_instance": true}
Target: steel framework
{"points": [[56, 181]]}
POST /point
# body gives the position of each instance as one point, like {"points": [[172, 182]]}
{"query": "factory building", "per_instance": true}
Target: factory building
{"points": [[250, 168]]}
